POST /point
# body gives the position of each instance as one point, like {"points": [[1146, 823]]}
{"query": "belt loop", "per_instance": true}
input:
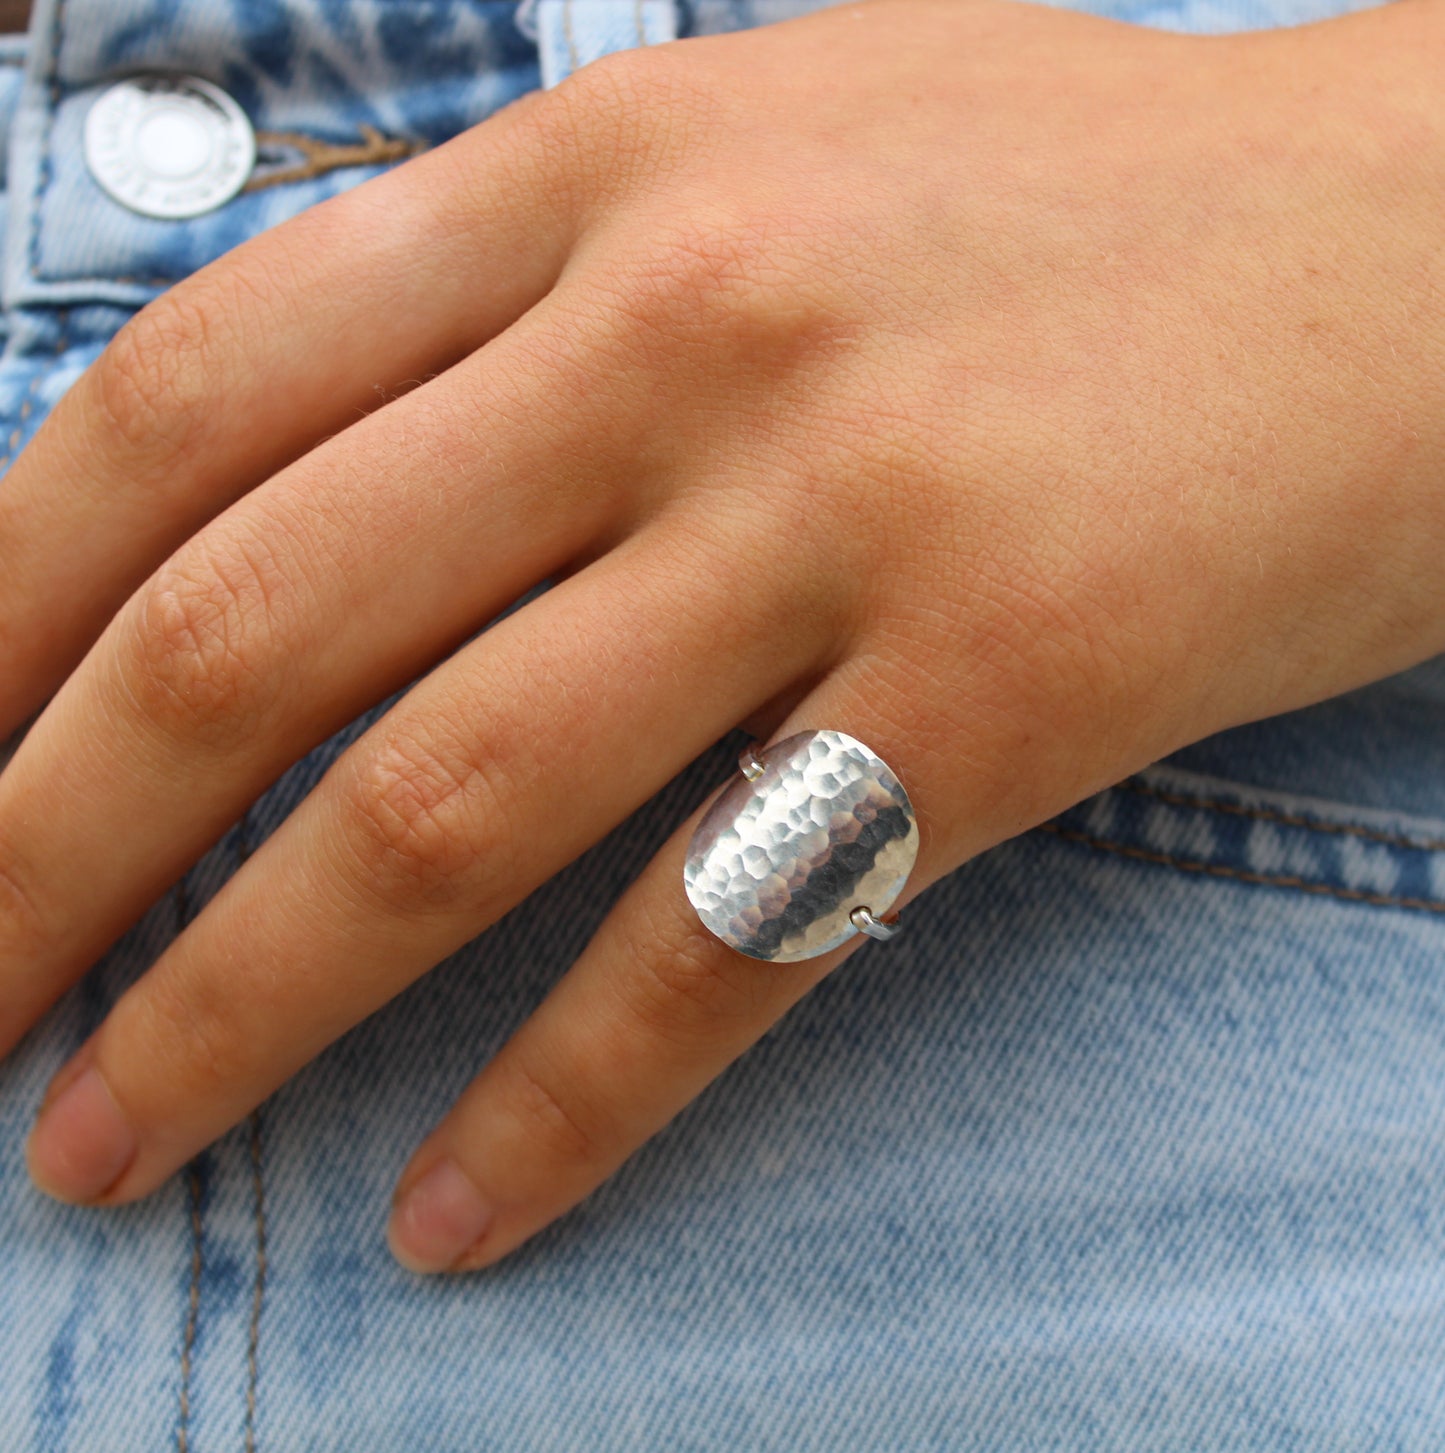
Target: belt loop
{"points": [[569, 33]]}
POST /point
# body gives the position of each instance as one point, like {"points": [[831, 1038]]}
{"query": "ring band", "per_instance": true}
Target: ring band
{"points": [[863, 920], [809, 846]]}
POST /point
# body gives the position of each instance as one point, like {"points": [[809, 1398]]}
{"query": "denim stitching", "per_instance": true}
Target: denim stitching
{"points": [[1286, 819], [193, 1184], [26, 408], [193, 1313], [322, 156], [571, 39], [45, 170], [1244, 875], [258, 1187], [32, 392]]}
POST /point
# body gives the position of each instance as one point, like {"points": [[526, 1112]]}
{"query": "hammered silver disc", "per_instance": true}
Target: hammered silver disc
{"points": [[778, 863]]}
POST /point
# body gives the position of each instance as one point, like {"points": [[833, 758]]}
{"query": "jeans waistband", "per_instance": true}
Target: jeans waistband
{"points": [[337, 90], [314, 77]]}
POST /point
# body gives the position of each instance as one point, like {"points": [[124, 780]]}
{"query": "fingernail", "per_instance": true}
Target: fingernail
{"points": [[81, 1143], [437, 1219]]}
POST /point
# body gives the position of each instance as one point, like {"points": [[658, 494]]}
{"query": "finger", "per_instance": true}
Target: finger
{"points": [[307, 602], [248, 363], [655, 1008], [488, 777]]}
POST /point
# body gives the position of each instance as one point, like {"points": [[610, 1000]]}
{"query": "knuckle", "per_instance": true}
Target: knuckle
{"points": [[411, 823], [198, 1040], [24, 921], [153, 382], [201, 657], [614, 124], [692, 988], [627, 87], [1047, 670], [550, 1117], [737, 285]]}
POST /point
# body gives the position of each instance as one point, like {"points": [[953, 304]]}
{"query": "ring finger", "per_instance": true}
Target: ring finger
{"points": [[654, 1009]]}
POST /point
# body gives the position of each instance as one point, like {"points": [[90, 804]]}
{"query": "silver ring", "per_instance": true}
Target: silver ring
{"points": [[810, 845], [864, 921]]}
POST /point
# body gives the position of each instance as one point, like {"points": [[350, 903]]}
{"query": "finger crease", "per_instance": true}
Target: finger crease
{"points": [[553, 1106]]}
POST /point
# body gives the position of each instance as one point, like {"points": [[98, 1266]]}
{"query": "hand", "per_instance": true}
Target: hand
{"points": [[1022, 392]]}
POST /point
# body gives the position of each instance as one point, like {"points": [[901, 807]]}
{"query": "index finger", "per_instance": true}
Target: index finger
{"points": [[161, 432]]}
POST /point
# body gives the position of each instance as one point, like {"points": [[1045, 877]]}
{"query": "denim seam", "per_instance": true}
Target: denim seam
{"points": [[44, 171], [258, 1294], [32, 392], [571, 39], [1285, 819], [26, 409], [1244, 875], [258, 1190], [193, 1192]]}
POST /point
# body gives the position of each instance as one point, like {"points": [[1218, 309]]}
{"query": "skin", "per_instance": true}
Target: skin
{"points": [[1025, 393]]}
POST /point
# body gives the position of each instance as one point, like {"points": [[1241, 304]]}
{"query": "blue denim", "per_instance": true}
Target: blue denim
{"points": [[569, 33], [1133, 1140]]}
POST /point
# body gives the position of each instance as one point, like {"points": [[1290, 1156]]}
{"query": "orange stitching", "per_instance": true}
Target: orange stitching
{"points": [[1244, 875], [321, 157], [1288, 819], [32, 392], [567, 31], [26, 409]]}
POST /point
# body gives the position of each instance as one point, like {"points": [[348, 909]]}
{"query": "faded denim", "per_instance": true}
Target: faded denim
{"points": [[1132, 1141]]}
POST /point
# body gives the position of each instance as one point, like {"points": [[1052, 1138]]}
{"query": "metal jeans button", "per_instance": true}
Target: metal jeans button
{"points": [[169, 146]]}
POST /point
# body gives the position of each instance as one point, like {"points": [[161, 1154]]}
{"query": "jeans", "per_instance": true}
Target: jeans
{"points": [[1133, 1140]]}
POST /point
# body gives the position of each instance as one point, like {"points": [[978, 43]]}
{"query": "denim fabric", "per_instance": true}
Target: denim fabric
{"points": [[572, 32], [1133, 1140]]}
